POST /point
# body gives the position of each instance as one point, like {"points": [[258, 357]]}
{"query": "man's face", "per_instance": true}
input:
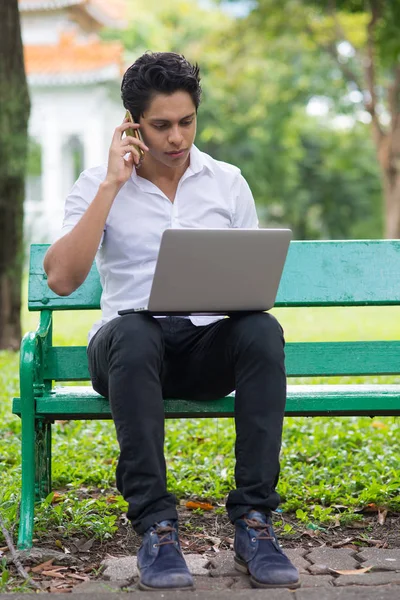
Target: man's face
{"points": [[169, 126]]}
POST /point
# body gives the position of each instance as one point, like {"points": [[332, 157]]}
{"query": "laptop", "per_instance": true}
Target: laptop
{"points": [[216, 271]]}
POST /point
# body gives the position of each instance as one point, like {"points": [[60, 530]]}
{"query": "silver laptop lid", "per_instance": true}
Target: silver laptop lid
{"points": [[215, 271]]}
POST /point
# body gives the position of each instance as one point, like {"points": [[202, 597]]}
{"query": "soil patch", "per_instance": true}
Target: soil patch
{"points": [[210, 532]]}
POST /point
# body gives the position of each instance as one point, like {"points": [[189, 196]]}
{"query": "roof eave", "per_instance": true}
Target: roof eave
{"points": [[110, 73]]}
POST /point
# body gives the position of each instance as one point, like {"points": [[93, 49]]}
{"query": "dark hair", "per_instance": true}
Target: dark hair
{"points": [[162, 72]]}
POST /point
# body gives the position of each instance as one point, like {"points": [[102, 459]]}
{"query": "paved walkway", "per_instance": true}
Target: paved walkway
{"points": [[326, 574], [319, 568]]}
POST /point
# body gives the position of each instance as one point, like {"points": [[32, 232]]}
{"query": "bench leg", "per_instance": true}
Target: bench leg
{"points": [[25, 533], [36, 474], [42, 459]]}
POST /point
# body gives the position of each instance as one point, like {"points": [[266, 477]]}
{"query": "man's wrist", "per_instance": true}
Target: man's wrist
{"points": [[110, 186]]}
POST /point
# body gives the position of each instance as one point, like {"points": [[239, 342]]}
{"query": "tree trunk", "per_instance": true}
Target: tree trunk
{"points": [[388, 154], [14, 114], [391, 187]]}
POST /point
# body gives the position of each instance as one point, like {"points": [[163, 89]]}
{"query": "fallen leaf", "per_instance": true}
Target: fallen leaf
{"points": [[83, 545], [343, 542], [229, 541], [62, 590], [192, 505], [382, 513], [53, 574], [216, 541], [351, 571], [80, 577], [86, 546], [184, 542], [57, 498], [43, 566], [379, 425], [371, 507], [311, 534], [4, 549]]}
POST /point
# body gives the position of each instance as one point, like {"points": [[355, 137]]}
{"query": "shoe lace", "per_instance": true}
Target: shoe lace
{"points": [[263, 529], [164, 535]]}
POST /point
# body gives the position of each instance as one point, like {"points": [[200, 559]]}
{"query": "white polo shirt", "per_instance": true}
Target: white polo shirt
{"points": [[211, 194]]}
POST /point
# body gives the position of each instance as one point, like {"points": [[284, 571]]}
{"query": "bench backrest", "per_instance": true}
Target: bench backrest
{"points": [[323, 273]]}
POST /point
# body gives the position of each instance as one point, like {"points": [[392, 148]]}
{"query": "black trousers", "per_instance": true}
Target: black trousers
{"points": [[137, 360]]}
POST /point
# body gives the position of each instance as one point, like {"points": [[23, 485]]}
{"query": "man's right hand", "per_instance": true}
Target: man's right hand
{"points": [[120, 168]]}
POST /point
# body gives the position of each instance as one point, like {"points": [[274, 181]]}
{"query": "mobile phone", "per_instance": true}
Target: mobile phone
{"points": [[134, 133]]}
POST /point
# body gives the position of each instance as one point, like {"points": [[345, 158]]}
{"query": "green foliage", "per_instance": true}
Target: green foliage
{"points": [[258, 75], [332, 188], [34, 164]]}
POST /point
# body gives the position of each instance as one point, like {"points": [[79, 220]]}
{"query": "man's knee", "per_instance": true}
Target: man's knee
{"points": [[261, 335]]}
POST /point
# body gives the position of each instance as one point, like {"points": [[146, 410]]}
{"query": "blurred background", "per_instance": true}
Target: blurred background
{"points": [[301, 95]]}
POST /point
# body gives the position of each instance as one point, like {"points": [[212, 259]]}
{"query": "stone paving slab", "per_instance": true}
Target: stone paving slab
{"points": [[351, 593], [319, 570], [239, 582], [222, 565], [376, 578], [296, 555], [333, 558], [308, 581], [389, 560], [197, 564], [95, 587], [121, 569]]}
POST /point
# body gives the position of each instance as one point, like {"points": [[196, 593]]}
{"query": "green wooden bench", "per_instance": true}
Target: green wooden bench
{"points": [[350, 273]]}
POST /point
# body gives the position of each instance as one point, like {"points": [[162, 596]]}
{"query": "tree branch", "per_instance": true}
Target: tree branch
{"points": [[370, 75], [348, 73], [393, 99], [15, 558]]}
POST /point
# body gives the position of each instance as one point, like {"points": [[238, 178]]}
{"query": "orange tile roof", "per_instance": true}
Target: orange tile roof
{"points": [[71, 56]]}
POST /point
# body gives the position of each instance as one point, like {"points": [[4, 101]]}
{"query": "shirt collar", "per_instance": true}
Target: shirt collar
{"points": [[197, 164]]}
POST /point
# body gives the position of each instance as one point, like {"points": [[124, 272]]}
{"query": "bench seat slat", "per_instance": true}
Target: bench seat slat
{"points": [[82, 402], [311, 359]]}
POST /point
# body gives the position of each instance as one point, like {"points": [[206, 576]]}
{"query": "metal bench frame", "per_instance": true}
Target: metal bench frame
{"points": [[323, 273]]}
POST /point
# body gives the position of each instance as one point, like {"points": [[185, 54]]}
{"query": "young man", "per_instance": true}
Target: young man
{"points": [[117, 213]]}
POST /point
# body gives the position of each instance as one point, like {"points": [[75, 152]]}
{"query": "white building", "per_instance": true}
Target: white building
{"points": [[74, 82]]}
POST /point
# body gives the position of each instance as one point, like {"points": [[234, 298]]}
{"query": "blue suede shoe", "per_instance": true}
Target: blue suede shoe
{"points": [[258, 553], [160, 559]]}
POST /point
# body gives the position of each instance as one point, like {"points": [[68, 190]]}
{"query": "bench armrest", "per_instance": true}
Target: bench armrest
{"points": [[34, 346]]}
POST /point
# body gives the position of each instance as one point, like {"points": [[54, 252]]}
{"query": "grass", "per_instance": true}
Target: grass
{"points": [[330, 466]]}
